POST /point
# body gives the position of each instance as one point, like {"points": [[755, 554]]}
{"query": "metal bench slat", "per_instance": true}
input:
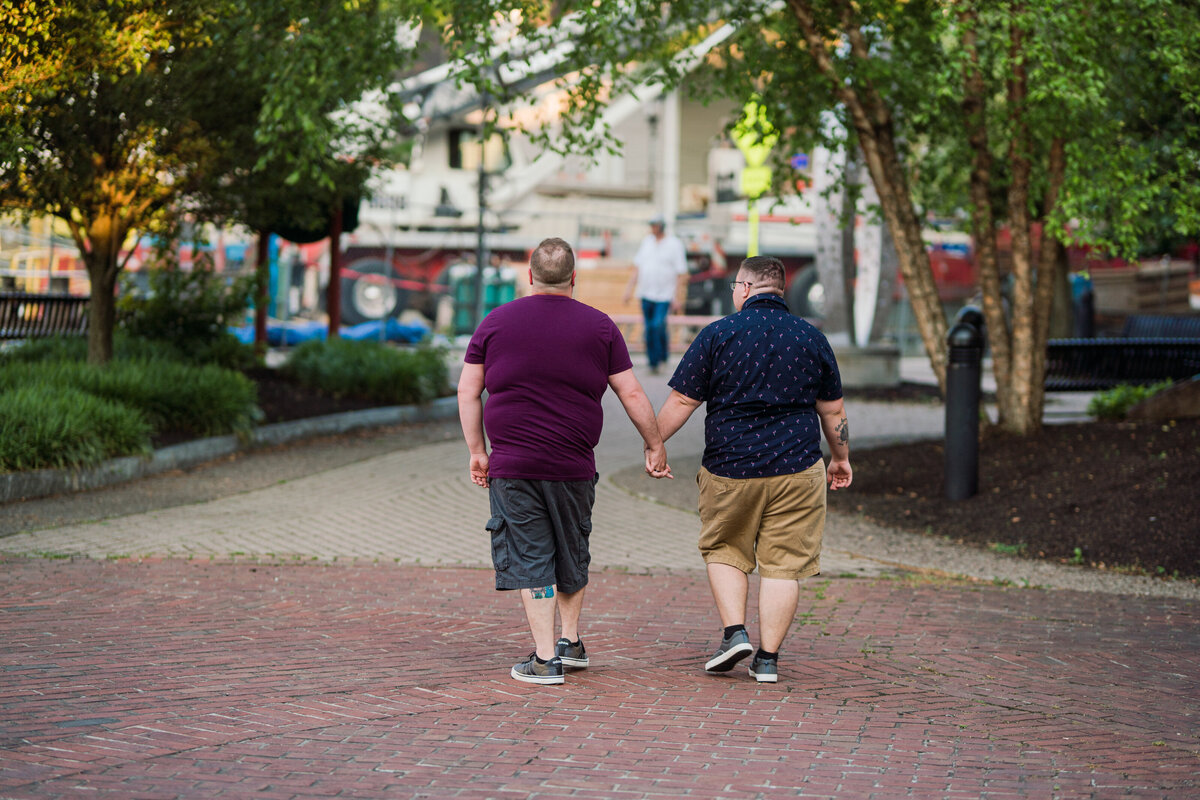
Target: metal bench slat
{"points": [[25, 315]]}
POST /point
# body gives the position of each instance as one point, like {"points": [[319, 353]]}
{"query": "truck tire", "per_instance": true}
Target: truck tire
{"points": [[806, 295], [369, 295]]}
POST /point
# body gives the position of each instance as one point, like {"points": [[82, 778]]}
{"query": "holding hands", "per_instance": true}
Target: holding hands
{"points": [[656, 462]]}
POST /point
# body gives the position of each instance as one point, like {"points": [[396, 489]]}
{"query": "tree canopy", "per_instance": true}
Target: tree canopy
{"points": [[121, 115], [1026, 115]]}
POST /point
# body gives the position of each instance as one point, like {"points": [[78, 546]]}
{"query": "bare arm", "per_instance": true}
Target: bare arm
{"points": [[675, 412], [629, 391], [470, 415], [837, 433]]}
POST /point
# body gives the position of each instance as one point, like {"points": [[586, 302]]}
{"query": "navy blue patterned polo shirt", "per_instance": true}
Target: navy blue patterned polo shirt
{"points": [[761, 372]]}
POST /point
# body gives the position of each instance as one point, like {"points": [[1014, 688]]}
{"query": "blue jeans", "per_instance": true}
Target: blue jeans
{"points": [[655, 322]]}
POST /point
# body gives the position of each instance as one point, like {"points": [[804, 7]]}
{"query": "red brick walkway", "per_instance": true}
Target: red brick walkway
{"points": [[187, 679]]}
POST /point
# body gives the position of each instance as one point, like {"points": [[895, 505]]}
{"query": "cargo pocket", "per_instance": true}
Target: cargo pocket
{"points": [[500, 556]]}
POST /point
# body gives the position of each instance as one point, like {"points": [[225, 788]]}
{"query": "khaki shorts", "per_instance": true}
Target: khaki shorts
{"points": [[777, 521]]}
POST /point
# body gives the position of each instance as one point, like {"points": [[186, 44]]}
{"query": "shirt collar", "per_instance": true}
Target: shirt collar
{"points": [[765, 299]]}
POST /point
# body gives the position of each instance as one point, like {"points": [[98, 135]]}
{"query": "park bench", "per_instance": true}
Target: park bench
{"points": [[32, 316], [1150, 349]]}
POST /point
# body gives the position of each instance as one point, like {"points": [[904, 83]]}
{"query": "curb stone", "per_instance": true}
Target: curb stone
{"points": [[44, 482]]}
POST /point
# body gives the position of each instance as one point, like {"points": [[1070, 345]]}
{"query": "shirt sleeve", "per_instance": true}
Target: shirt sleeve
{"points": [[477, 349], [694, 373], [618, 352], [831, 378]]}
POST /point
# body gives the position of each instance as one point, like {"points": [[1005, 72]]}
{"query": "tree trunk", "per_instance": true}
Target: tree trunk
{"points": [[1052, 270], [262, 277], [333, 292], [872, 123], [983, 224], [1018, 405], [879, 149], [102, 313], [102, 254]]}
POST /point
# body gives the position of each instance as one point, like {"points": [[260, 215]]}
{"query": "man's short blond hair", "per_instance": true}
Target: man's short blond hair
{"points": [[552, 262]]}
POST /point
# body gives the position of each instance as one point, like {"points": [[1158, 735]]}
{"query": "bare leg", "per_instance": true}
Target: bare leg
{"points": [[570, 606], [777, 601], [729, 588], [539, 610]]}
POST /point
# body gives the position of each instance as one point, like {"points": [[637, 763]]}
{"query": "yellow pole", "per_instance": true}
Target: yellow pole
{"points": [[752, 233]]}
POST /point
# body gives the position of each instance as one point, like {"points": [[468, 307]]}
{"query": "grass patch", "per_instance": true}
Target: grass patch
{"points": [[206, 400], [46, 426]]}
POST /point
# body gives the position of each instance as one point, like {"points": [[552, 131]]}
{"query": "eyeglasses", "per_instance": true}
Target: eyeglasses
{"points": [[734, 284]]}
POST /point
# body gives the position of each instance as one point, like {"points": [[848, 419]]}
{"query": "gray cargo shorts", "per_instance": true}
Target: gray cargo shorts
{"points": [[540, 532]]}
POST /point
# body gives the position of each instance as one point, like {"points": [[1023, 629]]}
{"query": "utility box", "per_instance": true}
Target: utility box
{"points": [[499, 287]]}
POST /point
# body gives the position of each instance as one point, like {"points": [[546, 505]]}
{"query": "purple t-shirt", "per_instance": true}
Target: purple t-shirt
{"points": [[546, 361]]}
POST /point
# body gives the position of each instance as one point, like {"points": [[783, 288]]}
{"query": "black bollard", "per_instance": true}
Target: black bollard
{"points": [[963, 375]]}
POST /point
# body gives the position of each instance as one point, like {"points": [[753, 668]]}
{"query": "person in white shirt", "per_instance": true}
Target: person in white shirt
{"points": [[659, 280]]}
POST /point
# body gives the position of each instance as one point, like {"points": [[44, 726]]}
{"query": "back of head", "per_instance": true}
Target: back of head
{"points": [[552, 262], [765, 271]]}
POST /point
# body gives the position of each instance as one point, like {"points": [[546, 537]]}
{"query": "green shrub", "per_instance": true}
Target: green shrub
{"points": [[370, 370], [44, 425], [204, 400], [1115, 403], [191, 310], [74, 348]]}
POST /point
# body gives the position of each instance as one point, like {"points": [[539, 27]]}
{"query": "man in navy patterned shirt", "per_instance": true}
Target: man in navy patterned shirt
{"points": [[772, 386]]}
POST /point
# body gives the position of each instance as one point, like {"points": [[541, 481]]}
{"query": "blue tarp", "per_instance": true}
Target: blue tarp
{"points": [[394, 331], [289, 334]]}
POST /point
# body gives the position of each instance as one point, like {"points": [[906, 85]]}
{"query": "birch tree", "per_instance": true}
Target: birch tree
{"points": [[998, 108]]}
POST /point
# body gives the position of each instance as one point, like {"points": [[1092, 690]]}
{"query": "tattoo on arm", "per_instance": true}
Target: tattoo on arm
{"points": [[843, 431], [541, 593]]}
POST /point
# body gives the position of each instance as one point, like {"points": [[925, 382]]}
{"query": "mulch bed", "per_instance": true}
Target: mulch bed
{"points": [[1112, 495], [282, 400]]}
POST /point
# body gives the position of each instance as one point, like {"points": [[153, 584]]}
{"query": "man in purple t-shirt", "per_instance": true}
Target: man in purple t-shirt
{"points": [[545, 361]]}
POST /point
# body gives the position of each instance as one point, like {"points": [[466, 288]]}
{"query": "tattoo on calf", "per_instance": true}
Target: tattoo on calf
{"points": [[542, 593], [843, 431]]}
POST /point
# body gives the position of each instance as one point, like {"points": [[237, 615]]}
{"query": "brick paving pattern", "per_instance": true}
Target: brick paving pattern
{"points": [[336, 634], [171, 678]]}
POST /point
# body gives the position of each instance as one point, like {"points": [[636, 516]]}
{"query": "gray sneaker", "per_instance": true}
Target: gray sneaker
{"points": [[732, 650], [572, 655], [530, 671], [764, 670]]}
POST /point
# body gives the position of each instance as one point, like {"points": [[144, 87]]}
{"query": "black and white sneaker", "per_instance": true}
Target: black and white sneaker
{"points": [[531, 671], [572, 655], [764, 670], [733, 649]]}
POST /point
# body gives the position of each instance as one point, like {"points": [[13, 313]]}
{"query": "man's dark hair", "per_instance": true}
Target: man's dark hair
{"points": [[552, 262], [766, 272]]}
